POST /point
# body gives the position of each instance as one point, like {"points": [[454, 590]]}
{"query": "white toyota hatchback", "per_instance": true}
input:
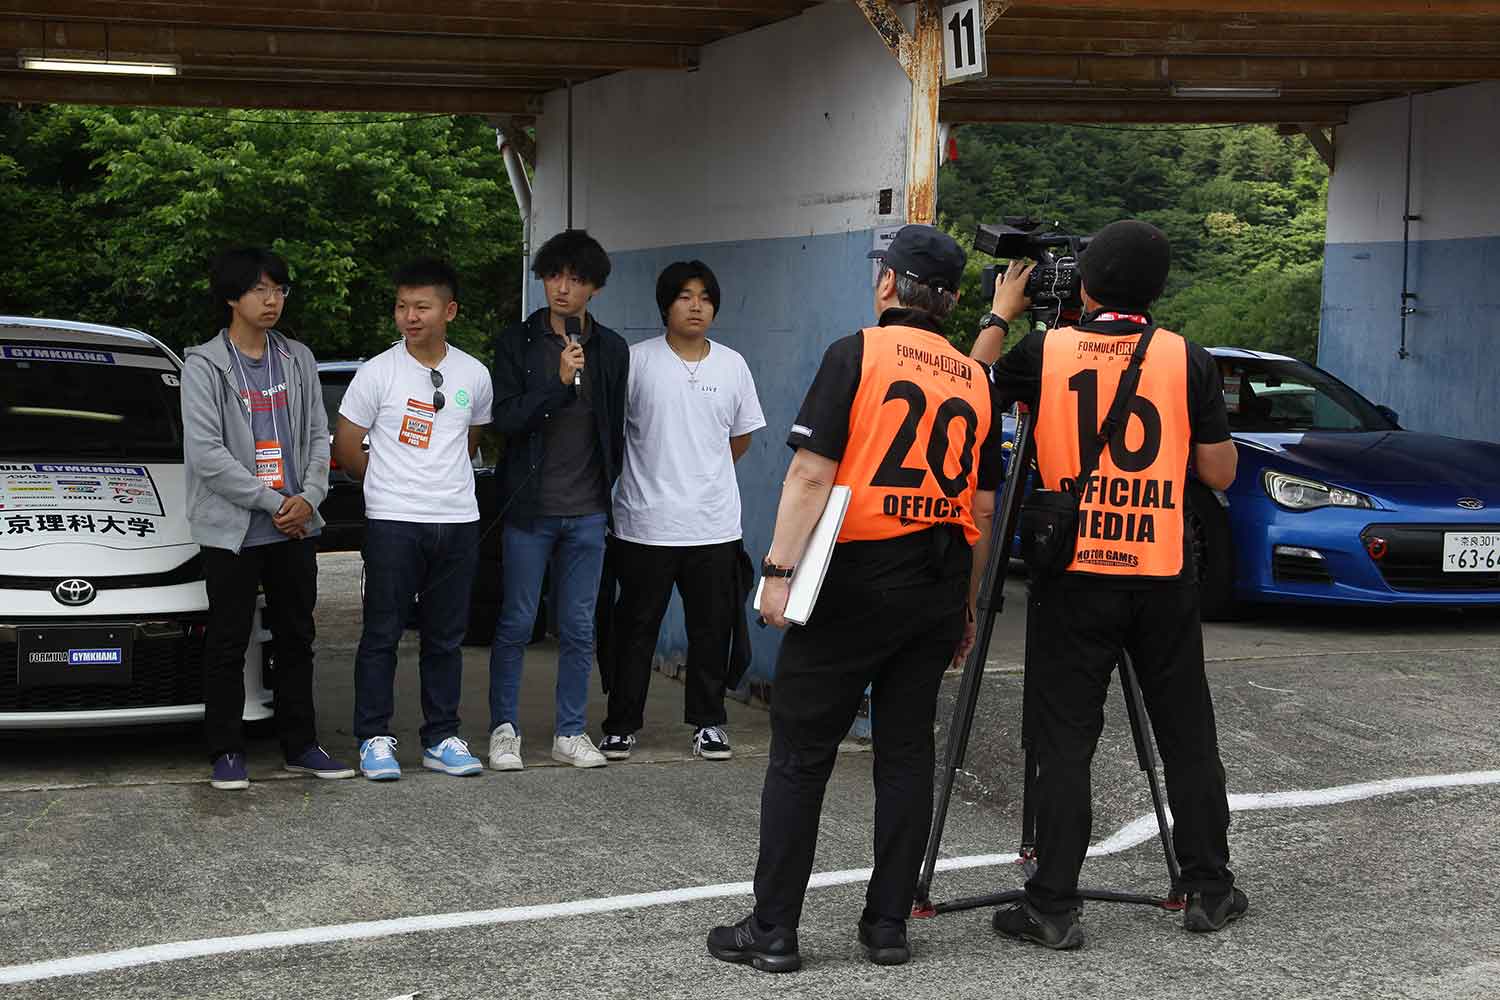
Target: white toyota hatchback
{"points": [[102, 602]]}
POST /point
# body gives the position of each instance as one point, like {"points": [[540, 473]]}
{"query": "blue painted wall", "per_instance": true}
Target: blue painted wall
{"points": [[1449, 383], [784, 301]]}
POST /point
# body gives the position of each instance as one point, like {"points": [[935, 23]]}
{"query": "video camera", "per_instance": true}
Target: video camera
{"points": [[1055, 282]]}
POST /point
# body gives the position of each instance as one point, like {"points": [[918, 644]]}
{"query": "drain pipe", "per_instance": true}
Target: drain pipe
{"points": [[522, 188], [1407, 295]]}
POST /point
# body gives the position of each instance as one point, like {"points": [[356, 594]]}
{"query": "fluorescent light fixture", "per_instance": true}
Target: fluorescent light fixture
{"points": [[1226, 93], [122, 67]]}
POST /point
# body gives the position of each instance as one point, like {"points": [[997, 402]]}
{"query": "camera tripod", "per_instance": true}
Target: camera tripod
{"points": [[991, 603]]}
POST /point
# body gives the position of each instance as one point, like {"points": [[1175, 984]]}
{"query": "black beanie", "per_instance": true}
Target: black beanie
{"points": [[1126, 265]]}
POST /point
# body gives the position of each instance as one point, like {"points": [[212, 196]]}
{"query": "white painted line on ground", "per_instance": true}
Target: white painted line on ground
{"points": [[1002, 667], [1264, 687], [1135, 832]]}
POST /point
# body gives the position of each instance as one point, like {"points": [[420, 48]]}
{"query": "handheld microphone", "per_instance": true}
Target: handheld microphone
{"points": [[574, 326]]}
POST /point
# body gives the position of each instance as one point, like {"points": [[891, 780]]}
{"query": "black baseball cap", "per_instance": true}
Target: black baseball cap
{"points": [[926, 255]]}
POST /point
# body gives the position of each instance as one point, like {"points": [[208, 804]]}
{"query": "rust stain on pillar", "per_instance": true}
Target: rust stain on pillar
{"points": [[921, 138]]}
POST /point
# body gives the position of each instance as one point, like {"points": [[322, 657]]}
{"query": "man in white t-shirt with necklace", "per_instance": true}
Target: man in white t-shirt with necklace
{"points": [[690, 409], [421, 404]]}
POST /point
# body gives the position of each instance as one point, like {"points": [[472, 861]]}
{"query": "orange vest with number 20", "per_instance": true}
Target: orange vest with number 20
{"points": [[920, 416]]}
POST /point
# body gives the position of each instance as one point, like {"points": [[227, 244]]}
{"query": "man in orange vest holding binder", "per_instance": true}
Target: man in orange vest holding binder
{"points": [[1130, 584], [903, 419]]}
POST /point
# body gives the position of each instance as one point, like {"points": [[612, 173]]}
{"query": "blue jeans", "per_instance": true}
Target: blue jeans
{"points": [[578, 546], [406, 560]]}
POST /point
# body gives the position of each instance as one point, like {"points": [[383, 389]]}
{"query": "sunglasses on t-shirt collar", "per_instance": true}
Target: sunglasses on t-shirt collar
{"points": [[437, 392]]}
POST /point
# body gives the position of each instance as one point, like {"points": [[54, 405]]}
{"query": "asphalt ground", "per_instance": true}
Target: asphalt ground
{"points": [[116, 855]]}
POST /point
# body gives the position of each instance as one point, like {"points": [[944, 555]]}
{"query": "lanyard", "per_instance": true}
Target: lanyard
{"points": [[1114, 317], [245, 383]]}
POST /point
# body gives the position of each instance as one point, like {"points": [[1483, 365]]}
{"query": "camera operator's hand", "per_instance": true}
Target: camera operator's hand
{"points": [[773, 597], [1010, 291]]}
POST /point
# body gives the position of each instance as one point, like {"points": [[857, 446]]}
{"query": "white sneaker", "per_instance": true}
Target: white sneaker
{"points": [[505, 749], [577, 750]]}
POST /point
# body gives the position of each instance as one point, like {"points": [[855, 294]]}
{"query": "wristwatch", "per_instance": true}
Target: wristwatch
{"points": [[769, 569], [990, 319]]}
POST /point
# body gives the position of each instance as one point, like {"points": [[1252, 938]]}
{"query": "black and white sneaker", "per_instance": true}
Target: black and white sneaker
{"points": [[617, 747], [712, 743]]}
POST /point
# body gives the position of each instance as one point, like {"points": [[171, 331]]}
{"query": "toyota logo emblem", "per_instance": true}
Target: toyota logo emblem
{"points": [[1471, 503], [73, 593]]}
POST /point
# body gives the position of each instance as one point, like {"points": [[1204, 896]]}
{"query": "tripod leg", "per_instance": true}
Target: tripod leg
{"points": [[1145, 751], [991, 602]]}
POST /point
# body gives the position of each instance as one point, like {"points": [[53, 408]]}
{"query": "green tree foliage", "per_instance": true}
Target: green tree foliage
{"points": [[1244, 208], [113, 216]]}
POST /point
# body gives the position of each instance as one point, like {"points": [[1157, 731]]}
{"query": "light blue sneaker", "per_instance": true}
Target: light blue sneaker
{"points": [[377, 759], [451, 757]]}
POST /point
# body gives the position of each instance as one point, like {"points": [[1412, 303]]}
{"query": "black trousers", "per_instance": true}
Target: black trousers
{"points": [[706, 577], [289, 573], [897, 642], [1075, 630]]}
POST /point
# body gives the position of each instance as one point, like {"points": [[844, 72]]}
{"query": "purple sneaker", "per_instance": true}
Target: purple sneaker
{"points": [[315, 761], [229, 772]]}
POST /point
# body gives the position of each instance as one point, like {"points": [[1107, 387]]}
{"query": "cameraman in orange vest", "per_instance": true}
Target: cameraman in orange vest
{"points": [[903, 419], [1130, 584]]}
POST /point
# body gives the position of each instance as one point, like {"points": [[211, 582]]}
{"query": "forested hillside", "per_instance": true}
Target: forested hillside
{"points": [[112, 216], [1244, 208]]}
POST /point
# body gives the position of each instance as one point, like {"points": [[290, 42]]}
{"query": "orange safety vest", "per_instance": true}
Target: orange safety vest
{"points": [[920, 416], [1130, 518]]}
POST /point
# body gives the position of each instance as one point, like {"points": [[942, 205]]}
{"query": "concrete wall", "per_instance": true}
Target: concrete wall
{"points": [[1447, 384], [767, 163]]}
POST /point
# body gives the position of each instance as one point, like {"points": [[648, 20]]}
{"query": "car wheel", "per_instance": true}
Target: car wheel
{"points": [[1213, 553]]}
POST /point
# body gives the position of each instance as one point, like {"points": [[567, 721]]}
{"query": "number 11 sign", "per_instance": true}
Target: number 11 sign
{"points": [[963, 41]]}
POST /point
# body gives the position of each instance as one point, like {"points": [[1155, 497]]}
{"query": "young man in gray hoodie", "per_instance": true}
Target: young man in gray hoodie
{"points": [[256, 452]]}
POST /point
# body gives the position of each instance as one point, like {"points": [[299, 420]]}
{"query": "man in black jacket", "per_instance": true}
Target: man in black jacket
{"points": [[559, 381]]}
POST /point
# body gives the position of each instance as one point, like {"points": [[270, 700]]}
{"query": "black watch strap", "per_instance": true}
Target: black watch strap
{"points": [[990, 319], [770, 569]]}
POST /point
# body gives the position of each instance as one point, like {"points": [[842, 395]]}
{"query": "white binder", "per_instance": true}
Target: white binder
{"points": [[807, 579]]}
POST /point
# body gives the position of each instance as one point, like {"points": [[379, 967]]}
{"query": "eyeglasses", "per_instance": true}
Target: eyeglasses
{"points": [[437, 393], [272, 291]]}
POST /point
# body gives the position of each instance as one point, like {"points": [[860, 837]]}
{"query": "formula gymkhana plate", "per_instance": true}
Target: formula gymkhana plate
{"points": [[74, 657]]}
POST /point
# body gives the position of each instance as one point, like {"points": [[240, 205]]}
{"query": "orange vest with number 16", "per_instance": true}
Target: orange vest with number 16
{"points": [[920, 416], [1130, 517]]}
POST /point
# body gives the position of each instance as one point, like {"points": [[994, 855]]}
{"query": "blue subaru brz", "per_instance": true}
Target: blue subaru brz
{"points": [[1336, 504]]}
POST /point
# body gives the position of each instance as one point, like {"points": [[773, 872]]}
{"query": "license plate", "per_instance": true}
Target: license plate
{"points": [[1471, 552], [74, 657]]}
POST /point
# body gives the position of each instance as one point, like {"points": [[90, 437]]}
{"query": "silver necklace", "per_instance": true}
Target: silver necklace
{"points": [[693, 370]]}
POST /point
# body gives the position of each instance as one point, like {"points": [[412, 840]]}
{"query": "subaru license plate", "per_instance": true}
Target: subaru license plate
{"points": [[1471, 552], [73, 657]]}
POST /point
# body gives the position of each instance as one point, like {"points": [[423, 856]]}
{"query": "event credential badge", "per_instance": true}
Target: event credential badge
{"points": [[416, 425]]}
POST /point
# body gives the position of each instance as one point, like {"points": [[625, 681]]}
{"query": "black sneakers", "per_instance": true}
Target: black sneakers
{"points": [[711, 743], [1206, 914], [885, 941], [749, 942], [1059, 931], [617, 747]]}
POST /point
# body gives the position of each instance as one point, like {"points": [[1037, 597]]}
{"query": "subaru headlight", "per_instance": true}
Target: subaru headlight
{"points": [[1296, 493]]}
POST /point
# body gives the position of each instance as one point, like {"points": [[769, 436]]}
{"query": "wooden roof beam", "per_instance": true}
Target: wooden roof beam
{"points": [[1236, 70], [543, 18], [1163, 112], [1369, 8], [32, 88], [207, 44]]}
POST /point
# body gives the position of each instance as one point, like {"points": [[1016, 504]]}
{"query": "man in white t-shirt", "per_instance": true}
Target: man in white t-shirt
{"points": [[421, 404], [690, 409]]}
